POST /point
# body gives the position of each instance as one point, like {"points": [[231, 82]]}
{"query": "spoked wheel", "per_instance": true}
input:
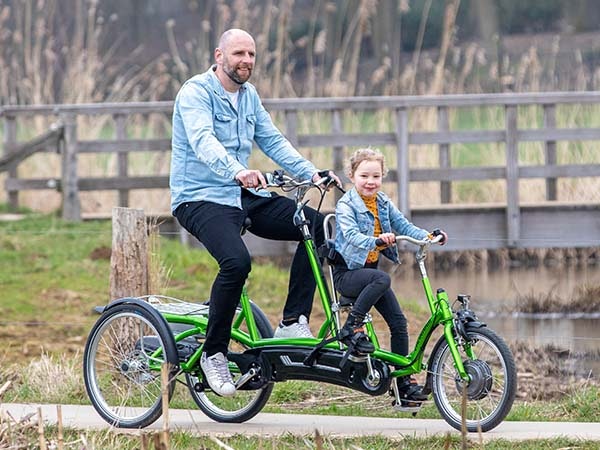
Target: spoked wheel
{"points": [[245, 404], [491, 390], [122, 364]]}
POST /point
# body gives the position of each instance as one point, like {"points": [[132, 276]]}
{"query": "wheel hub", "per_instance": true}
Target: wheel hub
{"points": [[481, 379]]}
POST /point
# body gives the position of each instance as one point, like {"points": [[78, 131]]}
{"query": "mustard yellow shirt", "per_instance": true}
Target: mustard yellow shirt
{"points": [[371, 204]]}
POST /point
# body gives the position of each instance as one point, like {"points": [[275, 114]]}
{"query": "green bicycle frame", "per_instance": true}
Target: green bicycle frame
{"points": [[441, 314]]}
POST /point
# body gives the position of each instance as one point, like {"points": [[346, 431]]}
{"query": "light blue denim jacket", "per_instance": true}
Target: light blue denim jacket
{"points": [[355, 225], [212, 142]]}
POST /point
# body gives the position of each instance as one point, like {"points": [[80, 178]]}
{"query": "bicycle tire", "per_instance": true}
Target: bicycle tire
{"points": [[491, 391], [122, 378], [246, 403]]}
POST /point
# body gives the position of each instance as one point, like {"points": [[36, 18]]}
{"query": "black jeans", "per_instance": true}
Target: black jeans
{"points": [[371, 287], [218, 228]]}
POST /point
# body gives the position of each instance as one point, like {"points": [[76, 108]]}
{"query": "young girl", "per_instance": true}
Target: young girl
{"points": [[366, 217]]}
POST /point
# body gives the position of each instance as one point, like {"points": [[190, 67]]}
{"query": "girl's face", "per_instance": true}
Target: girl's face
{"points": [[367, 177]]}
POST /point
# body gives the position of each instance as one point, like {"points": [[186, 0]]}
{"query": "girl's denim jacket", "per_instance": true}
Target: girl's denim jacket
{"points": [[355, 225]]}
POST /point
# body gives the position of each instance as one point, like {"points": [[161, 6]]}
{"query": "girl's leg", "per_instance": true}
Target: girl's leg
{"points": [[366, 285], [389, 308]]}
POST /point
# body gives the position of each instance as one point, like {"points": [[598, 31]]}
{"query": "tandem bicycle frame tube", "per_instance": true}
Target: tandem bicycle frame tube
{"points": [[440, 307], [446, 312]]}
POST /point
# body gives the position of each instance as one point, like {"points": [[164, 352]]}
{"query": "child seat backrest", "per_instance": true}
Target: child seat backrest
{"points": [[327, 250]]}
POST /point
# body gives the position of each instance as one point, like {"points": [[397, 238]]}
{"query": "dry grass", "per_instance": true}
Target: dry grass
{"points": [[586, 299]]}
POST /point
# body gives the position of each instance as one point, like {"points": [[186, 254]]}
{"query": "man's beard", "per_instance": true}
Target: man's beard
{"points": [[233, 75]]}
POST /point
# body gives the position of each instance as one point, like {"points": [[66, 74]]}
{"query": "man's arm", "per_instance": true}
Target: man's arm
{"points": [[195, 108], [274, 144]]}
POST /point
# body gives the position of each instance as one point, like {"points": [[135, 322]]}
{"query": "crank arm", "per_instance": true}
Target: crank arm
{"points": [[246, 377]]}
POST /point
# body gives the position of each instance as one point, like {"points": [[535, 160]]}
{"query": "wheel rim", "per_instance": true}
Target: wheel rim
{"points": [[124, 379], [226, 407], [487, 393]]}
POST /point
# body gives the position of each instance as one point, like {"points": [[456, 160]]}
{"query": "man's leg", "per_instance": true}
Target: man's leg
{"points": [[272, 218], [218, 228]]}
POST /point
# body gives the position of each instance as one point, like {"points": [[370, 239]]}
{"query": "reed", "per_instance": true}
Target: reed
{"points": [[353, 49]]}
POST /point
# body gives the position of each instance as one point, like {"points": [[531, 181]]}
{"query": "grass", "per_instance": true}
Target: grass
{"points": [[203, 440]]}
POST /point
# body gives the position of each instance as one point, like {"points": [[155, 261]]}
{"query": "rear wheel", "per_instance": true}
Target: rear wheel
{"points": [[245, 404], [122, 364], [491, 390]]}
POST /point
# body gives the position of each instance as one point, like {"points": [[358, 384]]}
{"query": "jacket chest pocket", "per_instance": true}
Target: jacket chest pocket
{"points": [[250, 126], [365, 223], [225, 126]]}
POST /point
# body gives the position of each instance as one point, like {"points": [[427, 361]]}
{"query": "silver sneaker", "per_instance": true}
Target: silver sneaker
{"points": [[299, 329], [217, 374]]}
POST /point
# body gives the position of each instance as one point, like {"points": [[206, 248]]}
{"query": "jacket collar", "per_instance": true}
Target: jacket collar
{"points": [[357, 200]]}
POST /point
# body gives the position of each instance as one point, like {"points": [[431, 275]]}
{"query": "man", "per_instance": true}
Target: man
{"points": [[217, 115]]}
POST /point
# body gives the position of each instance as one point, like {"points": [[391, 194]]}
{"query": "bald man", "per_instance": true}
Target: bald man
{"points": [[216, 118]]}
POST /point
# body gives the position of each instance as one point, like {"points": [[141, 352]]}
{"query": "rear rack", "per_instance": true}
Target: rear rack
{"points": [[171, 305]]}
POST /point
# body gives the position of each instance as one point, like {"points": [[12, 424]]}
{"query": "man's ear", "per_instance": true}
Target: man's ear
{"points": [[218, 55]]}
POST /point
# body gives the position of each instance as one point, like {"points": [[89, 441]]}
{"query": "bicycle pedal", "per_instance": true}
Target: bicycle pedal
{"points": [[408, 407]]}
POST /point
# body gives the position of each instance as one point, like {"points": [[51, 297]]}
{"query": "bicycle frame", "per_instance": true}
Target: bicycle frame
{"points": [[441, 314], [135, 338]]}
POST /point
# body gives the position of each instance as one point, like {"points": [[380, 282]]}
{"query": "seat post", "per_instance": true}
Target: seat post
{"points": [[328, 227]]}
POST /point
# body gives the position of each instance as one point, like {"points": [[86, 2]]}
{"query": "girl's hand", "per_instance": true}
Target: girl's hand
{"points": [[438, 232], [387, 239]]}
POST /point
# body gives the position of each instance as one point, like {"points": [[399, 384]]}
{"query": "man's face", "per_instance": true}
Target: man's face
{"points": [[236, 58]]}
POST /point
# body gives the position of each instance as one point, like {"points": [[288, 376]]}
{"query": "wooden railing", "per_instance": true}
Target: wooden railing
{"points": [[400, 137]]}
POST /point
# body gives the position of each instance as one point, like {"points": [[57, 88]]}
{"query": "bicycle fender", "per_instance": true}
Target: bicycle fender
{"points": [[464, 321]]}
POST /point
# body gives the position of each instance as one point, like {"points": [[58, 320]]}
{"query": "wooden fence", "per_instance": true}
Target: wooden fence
{"points": [[65, 137]]}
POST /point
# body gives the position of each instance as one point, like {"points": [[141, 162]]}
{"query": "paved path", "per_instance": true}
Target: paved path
{"points": [[266, 424]]}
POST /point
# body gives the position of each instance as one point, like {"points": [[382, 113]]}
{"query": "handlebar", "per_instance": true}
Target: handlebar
{"points": [[412, 240], [279, 179]]}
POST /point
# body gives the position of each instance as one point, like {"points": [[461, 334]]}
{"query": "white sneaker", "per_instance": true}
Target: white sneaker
{"points": [[298, 329], [217, 374]]}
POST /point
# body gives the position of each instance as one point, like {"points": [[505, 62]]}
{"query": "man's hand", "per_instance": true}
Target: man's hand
{"points": [[249, 178], [324, 174]]}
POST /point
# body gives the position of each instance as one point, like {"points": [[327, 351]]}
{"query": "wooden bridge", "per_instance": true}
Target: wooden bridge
{"points": [[513, 223]]}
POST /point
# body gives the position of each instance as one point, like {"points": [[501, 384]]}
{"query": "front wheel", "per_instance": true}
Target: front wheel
{"points": [[245, 404], [122, 363], [490, 392]]}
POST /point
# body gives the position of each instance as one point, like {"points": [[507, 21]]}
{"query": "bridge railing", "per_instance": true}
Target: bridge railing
{"points": [[400, 137]]}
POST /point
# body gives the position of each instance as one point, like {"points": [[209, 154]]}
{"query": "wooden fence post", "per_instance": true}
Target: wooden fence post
{"points": [[10, 143], [129, 257], [444, 155], [513, 212], [402, 161], [71, 208], [338, 151], [122, 157], [550, 149]]}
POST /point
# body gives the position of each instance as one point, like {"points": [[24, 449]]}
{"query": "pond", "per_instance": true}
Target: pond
{"points": [[495, 295]]}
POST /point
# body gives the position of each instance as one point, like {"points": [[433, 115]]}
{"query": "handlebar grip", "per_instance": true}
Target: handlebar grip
{"points": [[379, 242]]}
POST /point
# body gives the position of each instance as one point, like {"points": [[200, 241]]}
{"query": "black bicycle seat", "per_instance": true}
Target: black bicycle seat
{"points": [[247, 224]]}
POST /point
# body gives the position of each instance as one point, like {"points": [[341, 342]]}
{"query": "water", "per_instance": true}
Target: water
{"points": [[495, 293]]}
